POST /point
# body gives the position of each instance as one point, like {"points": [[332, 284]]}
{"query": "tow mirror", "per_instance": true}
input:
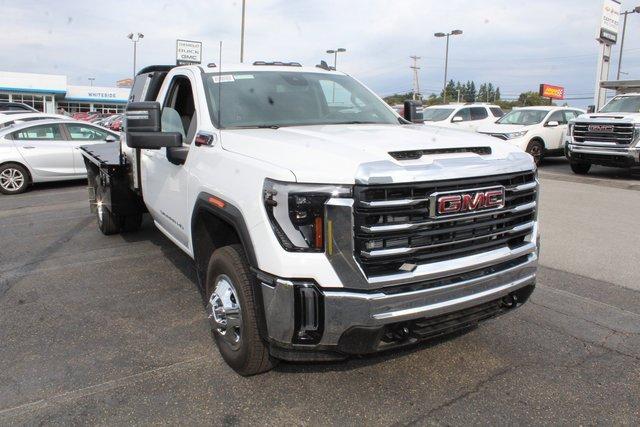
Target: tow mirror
{"points": [[457, 119], [552, 124], [143, 127], [413, 111]]}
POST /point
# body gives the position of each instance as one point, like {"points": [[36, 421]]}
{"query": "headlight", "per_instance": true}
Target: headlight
{"points": [[514, 135], [296, 212]]}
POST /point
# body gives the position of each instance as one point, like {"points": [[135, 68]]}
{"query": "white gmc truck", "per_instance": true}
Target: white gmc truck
{"points": [[609, 137], [321, 223]]}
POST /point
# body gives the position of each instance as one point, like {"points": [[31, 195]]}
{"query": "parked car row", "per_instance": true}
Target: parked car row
{"points": [[107, 120], [540, 131], [39, 147]]}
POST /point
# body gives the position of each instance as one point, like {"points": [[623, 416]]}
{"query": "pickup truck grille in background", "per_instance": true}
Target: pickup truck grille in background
{"points": [[618, 133], [393, 226]]}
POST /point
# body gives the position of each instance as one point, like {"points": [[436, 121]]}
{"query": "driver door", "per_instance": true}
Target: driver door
{"points": [[164, 184]]}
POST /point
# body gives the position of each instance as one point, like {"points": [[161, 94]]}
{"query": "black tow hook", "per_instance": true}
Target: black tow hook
{"points": [[510, 301]]}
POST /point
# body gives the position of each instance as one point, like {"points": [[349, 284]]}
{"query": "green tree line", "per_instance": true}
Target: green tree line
{"points": [[469, 92]]}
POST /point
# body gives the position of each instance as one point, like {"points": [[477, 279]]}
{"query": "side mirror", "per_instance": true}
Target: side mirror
{"points": [[413, 111], [457, 119], [552, 124], [143, 127], [591, 109], [110, 138], [143, 117]]}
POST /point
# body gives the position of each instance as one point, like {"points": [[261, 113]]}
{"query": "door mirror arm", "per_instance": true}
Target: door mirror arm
{"points": [[177, 155]]}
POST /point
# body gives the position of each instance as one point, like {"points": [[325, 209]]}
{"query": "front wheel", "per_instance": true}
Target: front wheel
{"points": [[536, 149], [580, 168], [231, 307]]}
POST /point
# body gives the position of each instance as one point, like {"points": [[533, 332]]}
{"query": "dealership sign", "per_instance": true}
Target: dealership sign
{"points": [[188, 52], [610, 22], [552, 92]]}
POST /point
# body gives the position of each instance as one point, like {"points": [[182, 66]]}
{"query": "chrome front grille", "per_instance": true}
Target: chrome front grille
{"points": [[612, 133], [393, 226]]}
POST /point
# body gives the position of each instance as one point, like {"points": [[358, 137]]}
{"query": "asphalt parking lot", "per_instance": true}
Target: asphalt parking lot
{"points": [[108, 330]]}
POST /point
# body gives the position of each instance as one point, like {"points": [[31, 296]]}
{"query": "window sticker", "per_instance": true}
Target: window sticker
{"points": [[243, 76], [224, 78]]}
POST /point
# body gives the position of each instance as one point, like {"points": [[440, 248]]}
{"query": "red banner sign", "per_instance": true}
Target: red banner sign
{"points": [[550, 91]]}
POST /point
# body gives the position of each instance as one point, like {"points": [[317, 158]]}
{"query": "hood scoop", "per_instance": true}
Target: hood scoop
{"points": [[606, 117], [416, 154]]}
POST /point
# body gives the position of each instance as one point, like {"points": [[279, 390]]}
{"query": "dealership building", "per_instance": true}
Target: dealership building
{"points": [[50, 93]]}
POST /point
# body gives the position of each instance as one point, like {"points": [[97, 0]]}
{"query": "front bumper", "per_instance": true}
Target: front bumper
{"points": [[604, 155], [359, 322]]}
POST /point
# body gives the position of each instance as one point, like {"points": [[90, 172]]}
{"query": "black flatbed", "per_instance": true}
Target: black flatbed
{"points": [[103, 155]]}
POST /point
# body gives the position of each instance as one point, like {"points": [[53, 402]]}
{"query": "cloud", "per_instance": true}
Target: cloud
{"points": [[516, 45]]}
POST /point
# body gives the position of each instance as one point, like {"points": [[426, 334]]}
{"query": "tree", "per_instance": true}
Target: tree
{"points": [[470, 92], [483, 92], [398, 98]]}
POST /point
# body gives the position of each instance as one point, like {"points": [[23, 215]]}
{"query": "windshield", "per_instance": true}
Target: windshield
{"points": [[622, 104], [436, 114], [277, 98], [523, 117]]}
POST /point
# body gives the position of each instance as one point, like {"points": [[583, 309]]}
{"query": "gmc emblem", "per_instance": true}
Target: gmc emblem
{"points": [[462, 202], [600, 128]]}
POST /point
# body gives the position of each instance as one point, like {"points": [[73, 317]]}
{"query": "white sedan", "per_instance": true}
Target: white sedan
{"points": [[540, 131], [45, 150]]}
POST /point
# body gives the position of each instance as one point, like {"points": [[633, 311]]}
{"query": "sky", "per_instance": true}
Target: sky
{"points": [[514, 44]]}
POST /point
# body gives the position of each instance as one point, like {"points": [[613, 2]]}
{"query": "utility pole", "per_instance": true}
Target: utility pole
{"points": [[624, 29], [416, 82], [242, 33]]}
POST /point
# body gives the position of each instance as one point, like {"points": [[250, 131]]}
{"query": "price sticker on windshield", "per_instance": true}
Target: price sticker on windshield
{"points": [[223, 78]]}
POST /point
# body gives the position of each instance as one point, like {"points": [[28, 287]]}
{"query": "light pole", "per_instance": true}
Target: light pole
{"points": [[242, 34], [135, 38], [91, 79], [446, 59], [624, 29], [335, 55]]}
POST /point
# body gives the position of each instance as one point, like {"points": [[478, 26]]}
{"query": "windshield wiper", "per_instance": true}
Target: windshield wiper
{"points": [[257, 127]]}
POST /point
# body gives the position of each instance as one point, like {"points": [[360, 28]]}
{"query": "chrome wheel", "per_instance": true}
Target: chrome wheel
{"points": [[100, 210], [12, 179], [223, 310]]}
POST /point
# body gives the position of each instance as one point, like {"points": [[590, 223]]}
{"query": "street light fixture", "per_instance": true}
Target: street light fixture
{"points": [[135, 38], [624, 29], [335, 55], [91, 79], [446, 59]]}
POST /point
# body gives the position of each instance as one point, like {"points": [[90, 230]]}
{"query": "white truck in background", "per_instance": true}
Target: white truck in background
{"points": [[321, 223], [611, 136]]}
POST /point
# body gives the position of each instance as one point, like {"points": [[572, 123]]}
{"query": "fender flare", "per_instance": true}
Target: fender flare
{"points": [[229, 214]]}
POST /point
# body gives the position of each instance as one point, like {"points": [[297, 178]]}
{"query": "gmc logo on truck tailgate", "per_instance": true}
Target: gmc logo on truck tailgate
{"points": [[461, 202], [601, 128]]}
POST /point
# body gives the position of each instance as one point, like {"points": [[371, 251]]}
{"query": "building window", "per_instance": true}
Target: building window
{"points": [[35, 101], [4, 97]]}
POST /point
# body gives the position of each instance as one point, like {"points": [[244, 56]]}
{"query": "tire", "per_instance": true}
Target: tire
{"points": [[14, 179], [580, 168], [131, 223], [233, 312], [108, 223], [536, 150]]}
